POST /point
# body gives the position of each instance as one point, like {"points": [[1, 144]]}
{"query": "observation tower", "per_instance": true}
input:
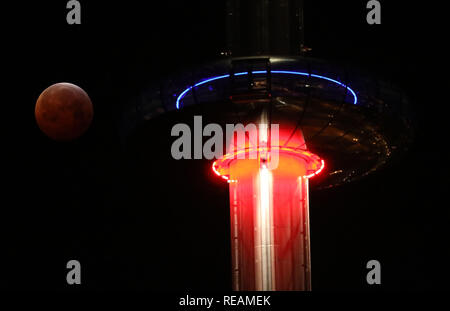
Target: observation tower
{"points": [[334, 125]]}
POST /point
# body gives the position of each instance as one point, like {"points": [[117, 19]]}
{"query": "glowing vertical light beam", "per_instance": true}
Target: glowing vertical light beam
{"points": [[264, 265]]}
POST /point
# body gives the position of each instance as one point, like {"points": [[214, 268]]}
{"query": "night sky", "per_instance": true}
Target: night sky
{"points": [[136, 219]]}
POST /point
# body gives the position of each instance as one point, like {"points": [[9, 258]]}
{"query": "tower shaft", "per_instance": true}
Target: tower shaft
{"points": [[269, 213]]}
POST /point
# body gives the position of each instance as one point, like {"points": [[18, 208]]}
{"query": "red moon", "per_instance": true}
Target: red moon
{"points": [[64, 111]]}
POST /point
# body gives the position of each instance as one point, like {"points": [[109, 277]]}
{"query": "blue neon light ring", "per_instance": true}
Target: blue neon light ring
{"points": [[299, 73]]}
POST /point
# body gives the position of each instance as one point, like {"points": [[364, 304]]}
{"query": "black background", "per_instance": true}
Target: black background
{"points": [[136, 220]]}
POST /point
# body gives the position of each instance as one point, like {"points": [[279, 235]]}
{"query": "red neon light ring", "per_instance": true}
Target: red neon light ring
{"points": [[322, 166], [220, 166]]}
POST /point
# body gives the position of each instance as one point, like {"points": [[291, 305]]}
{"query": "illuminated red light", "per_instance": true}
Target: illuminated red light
{"points": [[322, 166], [269, 212], [315, 163]]}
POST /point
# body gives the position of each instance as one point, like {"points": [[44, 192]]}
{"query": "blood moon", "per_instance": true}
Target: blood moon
{"points": [[64, 111]]}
